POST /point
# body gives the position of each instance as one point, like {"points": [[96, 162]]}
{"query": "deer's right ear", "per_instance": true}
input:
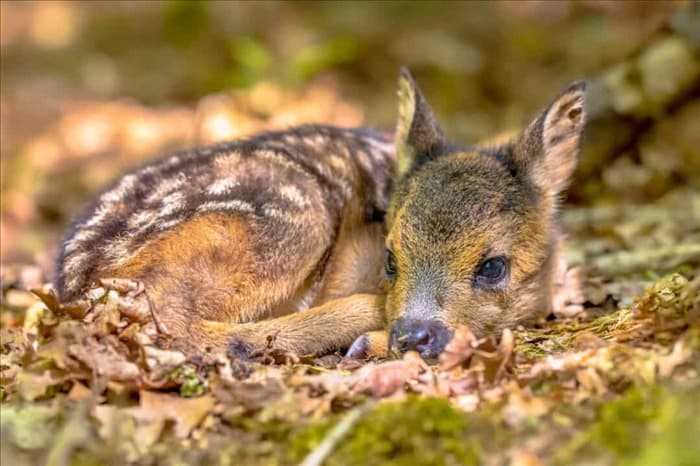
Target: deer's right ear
{"points": [[418, 134], [547, 150]]}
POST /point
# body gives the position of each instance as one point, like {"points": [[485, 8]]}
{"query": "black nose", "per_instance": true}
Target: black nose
{"points": [[428, 337]]}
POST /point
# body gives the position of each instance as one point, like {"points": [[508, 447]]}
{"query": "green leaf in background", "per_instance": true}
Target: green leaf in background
{"points": [[319, 57], [252, 60], [185, 21]]}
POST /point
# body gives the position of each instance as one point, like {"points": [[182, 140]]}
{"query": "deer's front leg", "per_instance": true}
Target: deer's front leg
{"points": [[331, 326]]}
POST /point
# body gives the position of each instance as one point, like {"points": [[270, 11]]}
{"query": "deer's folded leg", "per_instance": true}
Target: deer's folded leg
{"points": [[329, 327]]}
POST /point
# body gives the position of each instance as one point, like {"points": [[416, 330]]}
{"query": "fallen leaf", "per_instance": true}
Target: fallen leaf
{"points": [[186, 413], [384, 379]]}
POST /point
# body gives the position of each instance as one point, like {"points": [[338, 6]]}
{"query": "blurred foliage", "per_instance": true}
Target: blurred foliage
{"points": [[485, 67]]}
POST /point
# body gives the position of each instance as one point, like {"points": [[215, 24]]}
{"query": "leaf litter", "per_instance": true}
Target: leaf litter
{"points": [[102, 365]]}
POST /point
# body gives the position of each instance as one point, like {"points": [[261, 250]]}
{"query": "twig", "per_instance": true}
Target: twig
{"points": [[160, 326], [335, 435]]}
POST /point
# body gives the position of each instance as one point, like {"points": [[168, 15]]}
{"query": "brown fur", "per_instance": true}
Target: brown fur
{"points": [[278, 236], [229, 294]]}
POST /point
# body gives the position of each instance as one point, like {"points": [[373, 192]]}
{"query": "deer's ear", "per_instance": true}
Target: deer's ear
{"points": [[547, 150], [418, 133]]}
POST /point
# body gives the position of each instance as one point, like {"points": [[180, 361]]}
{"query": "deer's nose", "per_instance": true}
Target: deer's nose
{"points": [[427, 337]]}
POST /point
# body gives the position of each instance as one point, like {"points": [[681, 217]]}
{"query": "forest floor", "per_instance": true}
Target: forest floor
{"points": [[612, 378]]}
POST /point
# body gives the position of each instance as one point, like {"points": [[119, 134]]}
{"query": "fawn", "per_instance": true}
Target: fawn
{"points": [[329, 238]]}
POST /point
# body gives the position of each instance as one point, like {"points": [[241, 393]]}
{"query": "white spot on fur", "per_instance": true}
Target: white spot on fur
{"points": [[78, 238], [273, 212], [172, 203], [381, 147], [123, 259], [316, 140], [279, 159], [221, 186], [100, 214], [225, 164], [272, 156], [74, 259], [126, 184], [147, 170], [337, 162], [294, 195], [166, 187], [142, 218], [169, 224], [116, 250], [232, 205], [364, 160], [73, 267], [73, 282]]}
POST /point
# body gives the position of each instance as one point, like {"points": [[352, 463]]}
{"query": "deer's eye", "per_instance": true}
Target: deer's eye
{"points": [[390, 264], [492, 272]]}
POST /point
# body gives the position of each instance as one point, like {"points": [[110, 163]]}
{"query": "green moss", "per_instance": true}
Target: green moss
{"points": [[673, 436], [646, 426], [604, 324], [192, 384], [310, 438], [30, 426], [532, 351], [414, 432], [622, 422]]}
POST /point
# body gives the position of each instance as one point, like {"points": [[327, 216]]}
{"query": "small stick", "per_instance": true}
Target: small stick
{"points": [[160, 326], [335, 435]]}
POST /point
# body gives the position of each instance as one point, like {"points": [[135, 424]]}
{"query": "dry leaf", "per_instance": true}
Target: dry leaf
{"points": [[186, 413]]}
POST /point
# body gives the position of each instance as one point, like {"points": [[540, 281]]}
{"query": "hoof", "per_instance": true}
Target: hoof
{"points": [[240, 349], [359, 349]]}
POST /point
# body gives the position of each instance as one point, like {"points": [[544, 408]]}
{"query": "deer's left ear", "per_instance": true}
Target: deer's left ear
{"points": [[418, 134], [547, 150]]}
